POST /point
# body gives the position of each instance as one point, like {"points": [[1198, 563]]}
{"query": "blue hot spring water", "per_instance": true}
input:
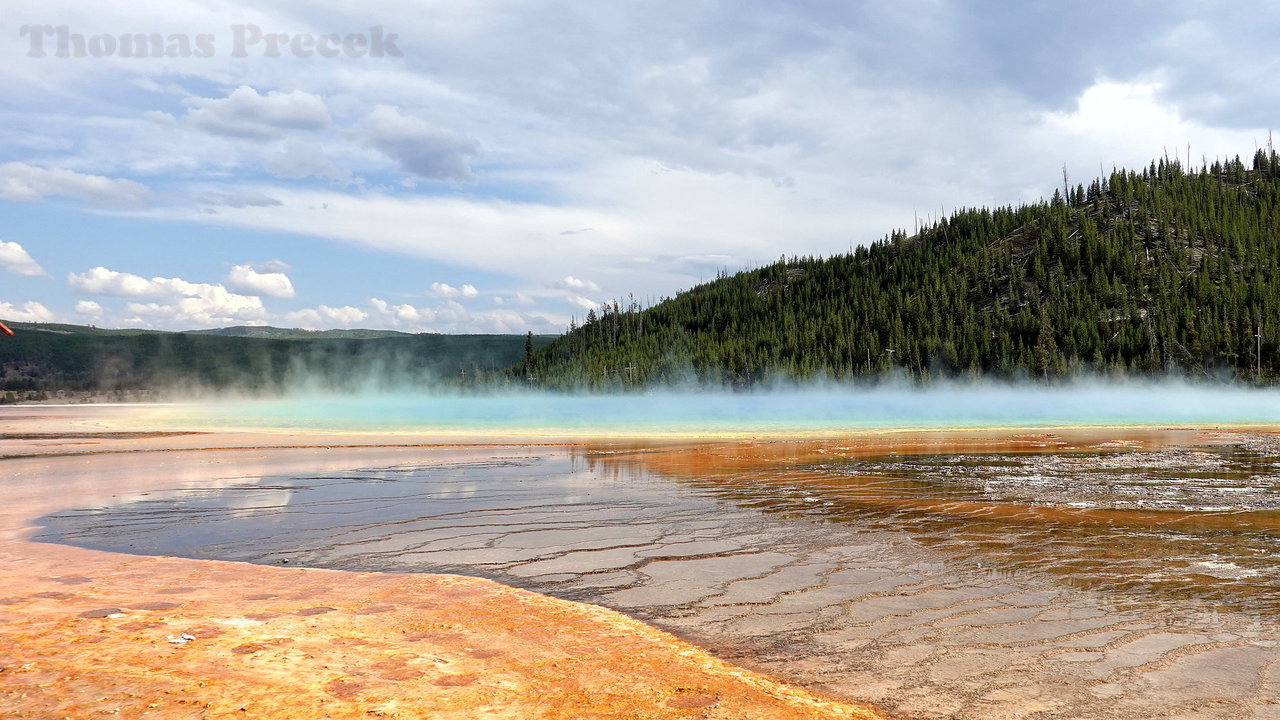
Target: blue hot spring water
{"points": [[813, 410]]}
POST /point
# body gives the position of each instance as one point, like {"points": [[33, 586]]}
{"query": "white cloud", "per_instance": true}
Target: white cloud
{"points": [[173, 303], [1128, 123], [27, 312], [445, 290], [324, 316], [582, 302], [20, 182], [191, 312], [239, 199], [246, 114], [452, 317], [419, 147], [159, 118], [301, 159], [272, 266], [201, 304], [101, 281], [636, 212], [245, 279], [403, 314], [517, 298], [153, 309], [14, 259], [569, 282]]}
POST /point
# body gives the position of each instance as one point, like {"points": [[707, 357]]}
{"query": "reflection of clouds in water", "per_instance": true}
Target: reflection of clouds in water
{"points": [[95, 482], [455, 491], [236, 493], [179, 481], [184, 485], [247, 502]]}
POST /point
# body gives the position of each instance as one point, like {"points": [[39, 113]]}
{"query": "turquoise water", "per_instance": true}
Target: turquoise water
{"points": [[799, 411]]}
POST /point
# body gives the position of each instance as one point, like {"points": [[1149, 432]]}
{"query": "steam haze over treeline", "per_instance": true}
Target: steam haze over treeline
{"points": [[45, 359]]}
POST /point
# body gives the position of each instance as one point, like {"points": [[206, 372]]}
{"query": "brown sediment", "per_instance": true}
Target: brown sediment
{"points": [[86, 634], [728, 460]]}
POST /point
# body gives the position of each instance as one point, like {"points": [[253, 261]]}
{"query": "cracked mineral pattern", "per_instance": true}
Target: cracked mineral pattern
{"points": [[1108, 581]]}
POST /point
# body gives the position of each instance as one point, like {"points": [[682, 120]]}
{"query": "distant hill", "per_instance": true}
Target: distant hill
{"points": [[1162, 270], [45, 357]]}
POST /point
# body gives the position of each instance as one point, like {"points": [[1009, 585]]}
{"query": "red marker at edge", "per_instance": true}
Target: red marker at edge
{"points": [[5, 329]]}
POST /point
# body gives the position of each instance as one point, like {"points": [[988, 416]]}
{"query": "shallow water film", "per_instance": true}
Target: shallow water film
{"points": [[1035, 577]]}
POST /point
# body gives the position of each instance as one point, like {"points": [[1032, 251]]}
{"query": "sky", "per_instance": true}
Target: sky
{"points": [[503, 166]]}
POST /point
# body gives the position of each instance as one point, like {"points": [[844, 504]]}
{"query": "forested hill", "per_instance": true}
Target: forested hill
{"points": [[1162, 270], [45, 361]]}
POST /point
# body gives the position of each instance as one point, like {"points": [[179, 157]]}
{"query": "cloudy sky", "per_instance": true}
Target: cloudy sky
{"points": [[501, 166]]}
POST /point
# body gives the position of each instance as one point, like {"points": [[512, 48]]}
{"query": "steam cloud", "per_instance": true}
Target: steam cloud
{"points": [[826, 408]]}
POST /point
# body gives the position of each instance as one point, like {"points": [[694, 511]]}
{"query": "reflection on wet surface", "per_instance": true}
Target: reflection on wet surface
{"points": [[1107, 579]]}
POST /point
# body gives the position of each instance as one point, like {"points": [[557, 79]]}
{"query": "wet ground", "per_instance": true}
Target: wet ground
{"points": [[88, 634], [1100, 579]]}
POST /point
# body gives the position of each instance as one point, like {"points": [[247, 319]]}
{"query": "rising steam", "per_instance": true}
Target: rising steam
{"points": [[785, 410]]}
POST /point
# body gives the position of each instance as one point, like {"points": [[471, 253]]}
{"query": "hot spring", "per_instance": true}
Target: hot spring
{"points": [[793, 411]]}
